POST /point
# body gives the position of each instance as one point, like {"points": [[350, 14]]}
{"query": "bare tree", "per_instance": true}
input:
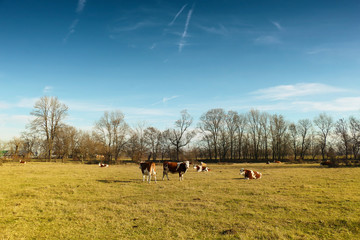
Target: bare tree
{"points": [[324, 124], [153, 138], [303, 127], [65, 142], [181, 136], [111, 130], [293, 139], [354, 125], [231, 120], [49, 114], [255, 131], [210, 125], [265, 125], [241, 126], [342, 130], [278, 129]]}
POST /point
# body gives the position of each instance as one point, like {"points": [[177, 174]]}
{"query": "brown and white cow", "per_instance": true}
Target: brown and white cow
{"points": [[148, 170], [103, 165], [201, 167], [250, 174], [22, 161], [175, 167]]}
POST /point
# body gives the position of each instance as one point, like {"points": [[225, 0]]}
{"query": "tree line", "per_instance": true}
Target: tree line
{"points": [[219, 136]]}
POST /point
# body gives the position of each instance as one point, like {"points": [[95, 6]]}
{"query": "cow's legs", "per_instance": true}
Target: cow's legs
{"points": [[165, 173], [143, 177]]}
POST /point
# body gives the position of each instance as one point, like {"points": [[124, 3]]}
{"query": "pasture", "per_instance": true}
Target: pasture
{"points": [[75, 201]]}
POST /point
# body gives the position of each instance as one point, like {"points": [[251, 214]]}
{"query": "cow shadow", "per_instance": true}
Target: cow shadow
{"points": [[239, 178], [116, 181]]}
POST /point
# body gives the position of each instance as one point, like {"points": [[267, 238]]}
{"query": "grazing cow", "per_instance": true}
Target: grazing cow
{"points": [[103, 165], [22, 161], [250, 174], [175, 167], [148, 169]]}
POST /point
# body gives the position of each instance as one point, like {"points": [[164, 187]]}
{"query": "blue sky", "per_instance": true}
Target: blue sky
{"points": [[152, 58]]}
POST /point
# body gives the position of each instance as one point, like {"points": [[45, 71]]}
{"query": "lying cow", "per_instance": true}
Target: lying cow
{"points": [[148, 170], [250, 174], [175, 167], [103, 165], [22, 161], [201, 168]]}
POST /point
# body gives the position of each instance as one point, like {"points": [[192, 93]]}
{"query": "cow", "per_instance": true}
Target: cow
{"points": [[103, 165], [277, 161], [201, 167], [22, 161], [250, 174], [148, 169], [175, 167]]}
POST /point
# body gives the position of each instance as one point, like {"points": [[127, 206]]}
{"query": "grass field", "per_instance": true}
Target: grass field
{"points": [[74, 201]]}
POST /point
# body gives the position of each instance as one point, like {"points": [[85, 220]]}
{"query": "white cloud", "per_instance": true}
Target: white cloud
{"points": [[282, 92], [346, 104]]}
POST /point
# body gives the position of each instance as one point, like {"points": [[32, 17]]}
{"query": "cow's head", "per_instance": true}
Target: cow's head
{"points": [[187, 164]]}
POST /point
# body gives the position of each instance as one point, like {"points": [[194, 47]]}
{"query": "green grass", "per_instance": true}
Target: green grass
{"points": [[74, 201]]}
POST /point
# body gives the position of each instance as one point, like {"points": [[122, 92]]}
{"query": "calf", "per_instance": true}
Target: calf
{"points": [[148, 169], [103, 165], [250, 174], [175, 167]]}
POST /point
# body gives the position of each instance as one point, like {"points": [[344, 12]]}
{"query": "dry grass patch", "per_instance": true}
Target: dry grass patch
{"points": [[74, 201]]}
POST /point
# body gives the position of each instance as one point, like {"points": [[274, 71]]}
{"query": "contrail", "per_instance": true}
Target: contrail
{"points": [[183, 36], [187, 22], [177, 15]]}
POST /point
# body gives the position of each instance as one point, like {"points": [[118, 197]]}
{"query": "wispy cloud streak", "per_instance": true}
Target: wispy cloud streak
{"points": [[184, 35], [166, 99], [283, 92], [79, 9], [71, 30], [277, 25], [177, 15], [80, 6]]}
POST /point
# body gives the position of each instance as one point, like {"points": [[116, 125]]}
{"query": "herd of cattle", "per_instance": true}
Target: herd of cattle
{"points": [[148, 170]]}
